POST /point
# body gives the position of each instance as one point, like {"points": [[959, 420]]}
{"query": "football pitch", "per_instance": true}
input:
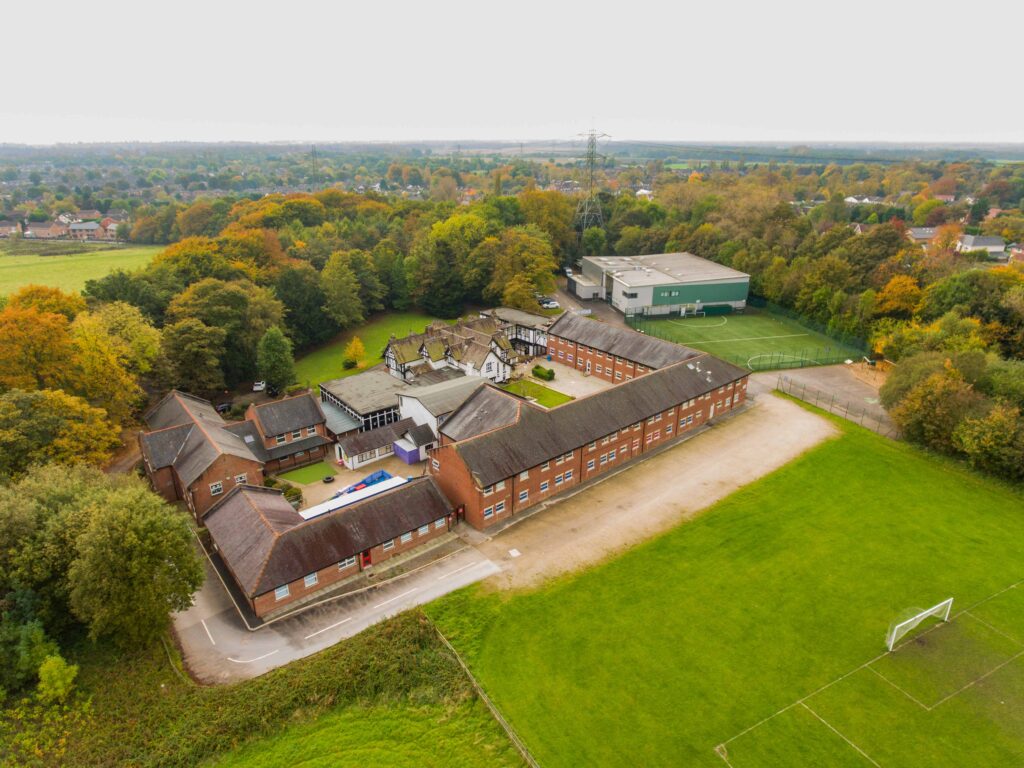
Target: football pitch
{"points": [[755, 635], [756, 339]]}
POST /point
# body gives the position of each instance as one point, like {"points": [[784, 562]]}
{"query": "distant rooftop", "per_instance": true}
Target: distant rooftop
{"points": [[658, 269]]}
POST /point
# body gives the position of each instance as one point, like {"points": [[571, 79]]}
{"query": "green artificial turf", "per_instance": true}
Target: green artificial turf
{"points": [[756, 339], [312, 473], [545, 396], [681, 644], [325, 363], [68, 271]]}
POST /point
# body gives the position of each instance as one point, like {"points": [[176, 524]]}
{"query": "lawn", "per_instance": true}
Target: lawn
{"points": [[68, 271], [324, 363], [658, 656], [756, 339], [361, 699], [312, 473], [545, 396]]}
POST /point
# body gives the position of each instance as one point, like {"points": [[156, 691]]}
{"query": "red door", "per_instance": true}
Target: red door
{"points": [[366, 560]]}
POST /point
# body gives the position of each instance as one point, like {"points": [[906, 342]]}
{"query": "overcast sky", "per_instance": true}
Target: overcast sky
{"points": [[379, 71]]}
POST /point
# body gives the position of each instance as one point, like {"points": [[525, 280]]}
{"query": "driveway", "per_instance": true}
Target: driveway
{"points": [[218, 648]]}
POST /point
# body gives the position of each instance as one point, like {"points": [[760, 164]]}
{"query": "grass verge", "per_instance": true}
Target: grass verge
{"points": [[313, 473], [545, 396]]}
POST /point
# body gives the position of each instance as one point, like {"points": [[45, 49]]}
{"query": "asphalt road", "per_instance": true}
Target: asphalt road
{"points": [[218, 648]]}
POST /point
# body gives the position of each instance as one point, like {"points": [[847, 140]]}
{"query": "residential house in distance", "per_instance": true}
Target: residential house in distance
{"points": [[280, 558], [9, 228], [921, 235], [477, 347], [45, 230], [284, 434], [189, 455], [661, 284], [994, 246], [86, 230]]}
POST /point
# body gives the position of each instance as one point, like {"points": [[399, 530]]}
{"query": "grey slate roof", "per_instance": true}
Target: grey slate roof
{"points": [[265, 543], [982, 241], [539, 435], [921, 233], [488, 408], [439, 399], [339, 421], [289, 414], [521, 318], [369, 391], [85, 226], [254, 441], [421, 435], [621, 342], [375, 438]]}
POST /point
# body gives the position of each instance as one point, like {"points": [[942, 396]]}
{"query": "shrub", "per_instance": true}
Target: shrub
{"points": [[295, 388], [56, 679], [540, 372], [293, 494], [349, 363]]}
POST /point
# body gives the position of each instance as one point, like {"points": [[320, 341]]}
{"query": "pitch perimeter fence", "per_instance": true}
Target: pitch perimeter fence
{"points": [[877, 421]]}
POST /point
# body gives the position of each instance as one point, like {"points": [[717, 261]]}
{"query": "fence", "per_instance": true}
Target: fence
{"points": [[509, 730], [850, 340], [877, 421]]}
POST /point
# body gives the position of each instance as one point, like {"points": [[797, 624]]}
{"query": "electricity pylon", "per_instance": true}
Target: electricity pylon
{"points": [[588, 210]]}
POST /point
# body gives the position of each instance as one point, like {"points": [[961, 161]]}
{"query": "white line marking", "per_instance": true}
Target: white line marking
{"points": [[905, 693], [336, 624], [745, 338], [457, 570], [396, 597], [203, 622], [837, 733], [258, 658]]}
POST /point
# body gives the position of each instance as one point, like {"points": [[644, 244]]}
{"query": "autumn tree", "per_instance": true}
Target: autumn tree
{"points": [[101, 372], [933, 409], [45, 298], [899, 297], [274, 359], [51, 426], [341, 292], [192, 351], [524, 253], [552, 213], [354, 353], [35, 348], [994, 442]]}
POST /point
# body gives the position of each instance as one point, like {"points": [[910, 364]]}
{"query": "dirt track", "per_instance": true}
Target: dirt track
{"points": [[655, 495]]}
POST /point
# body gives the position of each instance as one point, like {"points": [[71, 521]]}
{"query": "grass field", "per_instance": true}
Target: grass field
{"points": [[545, 396], [324, 363], [676, 647], [68, 271], [313, 473], [756, 339], [391, 695]]}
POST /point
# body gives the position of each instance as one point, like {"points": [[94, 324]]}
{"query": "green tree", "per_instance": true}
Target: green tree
{"points": [[522, 252], [51, 426], [594, 241], [931, 411], [298, 288], [994, 442], [274, 359], [56, 679], [134, 565], [341, 290], [191, 351]]}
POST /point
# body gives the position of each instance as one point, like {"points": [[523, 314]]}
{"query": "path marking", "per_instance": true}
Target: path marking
{"points": [[457, 570], [692, 323], [396, 597], [837, 733], [745, 338], [905, 693], [258, 658], [336, 624], [203, 622]]}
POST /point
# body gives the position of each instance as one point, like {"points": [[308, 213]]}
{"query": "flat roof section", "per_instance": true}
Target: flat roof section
{"points": [[367, 392], [665, 269]]}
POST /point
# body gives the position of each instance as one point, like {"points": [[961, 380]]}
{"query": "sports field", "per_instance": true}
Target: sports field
{"points": [[761, 626], [756, 339], [68, 271]]}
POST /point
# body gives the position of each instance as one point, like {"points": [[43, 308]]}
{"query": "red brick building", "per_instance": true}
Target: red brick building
{"points": [[279, 559], [609, 352], [286, 433], [189, 455], [499, 455]]}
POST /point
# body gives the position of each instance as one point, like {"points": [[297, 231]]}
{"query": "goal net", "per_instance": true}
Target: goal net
{"points": [[901, 628]]}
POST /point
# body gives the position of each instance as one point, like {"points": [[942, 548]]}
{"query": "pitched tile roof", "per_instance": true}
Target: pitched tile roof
{"points": [[445, 397], [372, 439], [291, 413], [538, 434], [266, 543], [621, 342]]}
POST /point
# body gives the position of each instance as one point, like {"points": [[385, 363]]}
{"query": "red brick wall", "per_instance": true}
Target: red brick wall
{"points": [[606, 366], [224, 469], [331, 574]]}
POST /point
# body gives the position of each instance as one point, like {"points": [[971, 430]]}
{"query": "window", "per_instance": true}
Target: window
{"points": [[735, 399], [649, 438], [281, 592], [561, 354], [629, 294], [568, 358], [604, 459], [281, 439], [590, 465], [310, 431], [650, 420], [348, 562], [310, 580], [216, 489], [545, 466], [599, 369], [611, 455], [423, 530], [551, 350], [389, 545], [499, 507], [439, 523], [618, 375], [488, 490], [488, 513], [558, 480], [385, 449], [658, 417], [544, 486], [500, 485], [405, 538], [241, 479], [525, 474], [296, 434], [568, 455], [636, 426], [489, 367], [559, 460], [523, 496], [435, 464], [367, 455], [668, 429], [568, 476], [657, 434], [592, 445]]}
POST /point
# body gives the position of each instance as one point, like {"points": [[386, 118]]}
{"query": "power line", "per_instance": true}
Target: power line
{"points": [[588, 210]]}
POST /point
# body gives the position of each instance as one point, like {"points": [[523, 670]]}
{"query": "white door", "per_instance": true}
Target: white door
{"points": [[711, 412]]}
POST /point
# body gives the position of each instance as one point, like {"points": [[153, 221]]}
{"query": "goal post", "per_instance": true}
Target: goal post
{"points": [[900, 629]]}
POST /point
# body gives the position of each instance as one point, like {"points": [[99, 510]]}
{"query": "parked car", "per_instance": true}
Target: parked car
{"points": [[223, 407], [568, 271], [259, 386]]}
